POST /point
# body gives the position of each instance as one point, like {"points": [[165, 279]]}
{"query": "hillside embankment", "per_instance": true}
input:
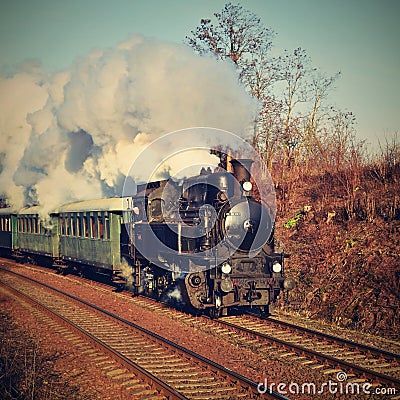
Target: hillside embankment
{"points": [[343, 235]]}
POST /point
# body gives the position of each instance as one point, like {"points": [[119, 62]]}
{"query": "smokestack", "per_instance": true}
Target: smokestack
{"points": [[241, 169]]}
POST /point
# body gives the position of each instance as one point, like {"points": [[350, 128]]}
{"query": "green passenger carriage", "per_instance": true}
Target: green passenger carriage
{"points": [[82, 235], [90, 234], [8, 234]]}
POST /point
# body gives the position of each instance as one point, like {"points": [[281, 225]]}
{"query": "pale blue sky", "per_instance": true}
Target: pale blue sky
{"points": [[360, 38]]}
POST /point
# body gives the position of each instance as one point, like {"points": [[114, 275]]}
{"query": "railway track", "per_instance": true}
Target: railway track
{"points": [[169, 370], [323, 353], [319, 350], [331, 355]]}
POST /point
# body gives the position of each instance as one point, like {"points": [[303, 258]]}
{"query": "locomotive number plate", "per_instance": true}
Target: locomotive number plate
{"points": [[234, 214], [243, 282]]}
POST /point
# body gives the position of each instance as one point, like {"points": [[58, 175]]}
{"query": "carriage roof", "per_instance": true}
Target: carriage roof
{"points": [[111, 204]]}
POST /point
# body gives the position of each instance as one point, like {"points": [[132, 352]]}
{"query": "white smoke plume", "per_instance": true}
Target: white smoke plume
{"points": [[74, 135]]}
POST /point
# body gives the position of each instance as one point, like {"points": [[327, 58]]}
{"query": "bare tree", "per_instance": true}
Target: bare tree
{"points": [[290, 90], [320, 86], [238, 35]]}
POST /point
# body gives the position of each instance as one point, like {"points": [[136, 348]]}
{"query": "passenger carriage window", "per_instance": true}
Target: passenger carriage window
{"points": [[106, 227], [2, 224], [92, 227], [25, 225], [73, 225], [67, 226], [62, 230], [29, 225], [100, 226], [8, 221], [85, 226], [79, 225]]}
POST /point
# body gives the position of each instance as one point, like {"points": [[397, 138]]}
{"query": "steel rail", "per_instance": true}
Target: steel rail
{"points": [[150, 379], [346, 342], [215, 368], [314, 355]]}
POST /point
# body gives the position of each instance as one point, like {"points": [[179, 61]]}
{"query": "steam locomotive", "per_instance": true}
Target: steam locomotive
{"points": [[207, 242]]}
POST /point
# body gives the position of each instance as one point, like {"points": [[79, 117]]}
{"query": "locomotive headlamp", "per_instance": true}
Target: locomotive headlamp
{"points": [[276, 267], [226, 268], [247, 186], [226, 285]]}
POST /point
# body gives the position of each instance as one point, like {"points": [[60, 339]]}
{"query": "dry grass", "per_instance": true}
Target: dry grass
{"points": [[26, 371], [342, 227]]}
